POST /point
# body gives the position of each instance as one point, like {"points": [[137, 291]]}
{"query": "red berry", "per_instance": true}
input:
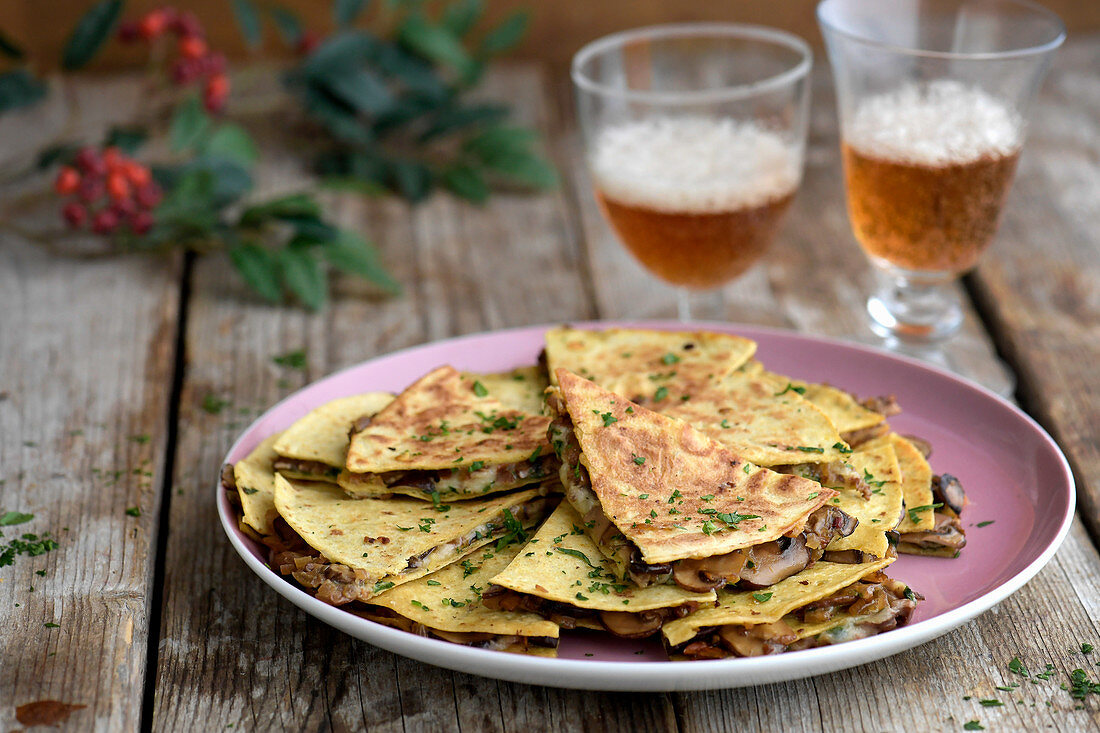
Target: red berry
{"points": [[308, 42], [124, 208], [217, 89], [128, 31], [192, 47], [152, 25], [91, 189], [186, 71], [141, 222], [149, 195], [104, 222], [75, 214], [112, 158], [136, 173], [186, 24], [89, 161], [118, 187], [67, 182]]}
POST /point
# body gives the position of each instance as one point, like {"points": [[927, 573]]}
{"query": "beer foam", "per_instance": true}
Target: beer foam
{"points": [[937, 123], [693, 164]]}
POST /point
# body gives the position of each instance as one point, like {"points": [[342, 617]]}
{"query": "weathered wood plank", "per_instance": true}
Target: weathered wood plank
{"points": [[231, 651], [86, 365], [1040, 283]]}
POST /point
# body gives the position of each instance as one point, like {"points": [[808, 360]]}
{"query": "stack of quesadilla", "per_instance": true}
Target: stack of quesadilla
{"points": [[731, 509]]}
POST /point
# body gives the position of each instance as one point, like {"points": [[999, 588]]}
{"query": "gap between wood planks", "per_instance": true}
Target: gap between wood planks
{"points": [[156, 601]]}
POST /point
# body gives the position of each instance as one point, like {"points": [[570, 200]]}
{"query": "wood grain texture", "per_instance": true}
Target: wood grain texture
{"points": [[86, 363], [1040, 283]]}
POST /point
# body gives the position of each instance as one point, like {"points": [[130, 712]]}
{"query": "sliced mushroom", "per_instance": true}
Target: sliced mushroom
{"points": [[632, 625], [703, 574], [826, 524], [886, 405], [847, 557], [771, 562], [463, 637], [758, 639], [947, 490], [644, 575]]}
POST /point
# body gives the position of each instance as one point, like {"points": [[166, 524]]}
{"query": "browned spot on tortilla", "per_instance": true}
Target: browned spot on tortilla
{"points": [[45, 712]]}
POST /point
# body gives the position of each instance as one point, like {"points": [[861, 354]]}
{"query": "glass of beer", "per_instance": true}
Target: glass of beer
{"points": [[933, 99], [694, 136]]}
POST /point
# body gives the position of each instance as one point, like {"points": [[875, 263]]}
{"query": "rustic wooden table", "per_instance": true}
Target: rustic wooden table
{"points": [[159, 624]]}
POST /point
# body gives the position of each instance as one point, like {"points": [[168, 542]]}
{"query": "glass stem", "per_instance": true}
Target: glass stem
{"points": [[915, 306], [683, 305]]}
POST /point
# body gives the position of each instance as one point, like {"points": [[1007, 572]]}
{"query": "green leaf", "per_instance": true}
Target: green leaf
{"points": [[340, 50], [232, 143], [350, 253], [436, 43], [127, 138], [188, 125], [258, 267], [341, 122], [410, 179], [90, 33], [294, 206], [287, 23], [457, 118], [248, 21], [10, 518], [500, 141], [61, 153], [360, 89], [417, 75], [467, 182], [231, 181], [344, 12], [9, 48], [506, 35], [19, 89], [303, 276], [524, 168], [461, 15]]}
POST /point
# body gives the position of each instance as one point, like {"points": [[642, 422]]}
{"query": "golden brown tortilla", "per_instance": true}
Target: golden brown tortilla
{"points": [[916, 484], [881, 512], [560, 563], [671, 490], [255, 480], [636, 363], [774, 602], [322, 435]]}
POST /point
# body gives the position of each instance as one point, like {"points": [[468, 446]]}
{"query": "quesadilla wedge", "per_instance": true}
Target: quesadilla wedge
{"points": [[315, 447], [878, 511], [447, 437], [762, 417], [447, 605], [254, 480], [562, 575], [668, 504], [826, 604], [916, 484], [354, 549], [519, 389], [640, 363]]}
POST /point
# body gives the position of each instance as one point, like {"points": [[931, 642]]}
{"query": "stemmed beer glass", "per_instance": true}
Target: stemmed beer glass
{"points": [[694, 135], [933, 99]]}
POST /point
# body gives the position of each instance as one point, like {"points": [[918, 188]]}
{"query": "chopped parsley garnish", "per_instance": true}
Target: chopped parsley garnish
{"points": [[249, 491], [869, 478], [791, 388], [581, 598], [986, 523], [761, 597], [468, 568], [732, 519], [11, 518], [213, 404], [1086, 648], [291, 359], [669, 358], [707, 497], [28, 544], [578, 554], [426, 524], [433, 582], [477, 465], [142, 439], [708, 527], [537, 451], [382, 585], [991, 703], [479, 390], [973, 725], [513, 531], [608, 419], [809, 449], [133, 511], [674, 496], [418, 604], [725, 423], [643, 496], [436, 503], [640, 460], [51, 625], [841, 448], [1080, 686], [660, 394], [403, 529], [914, 513], [813, 494]]}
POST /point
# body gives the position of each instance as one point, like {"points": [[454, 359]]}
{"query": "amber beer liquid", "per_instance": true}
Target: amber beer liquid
{"points": [[927, 173], [696, 201]]}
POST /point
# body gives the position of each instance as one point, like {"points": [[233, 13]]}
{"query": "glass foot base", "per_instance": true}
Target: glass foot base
{"points": [[915, 307]]}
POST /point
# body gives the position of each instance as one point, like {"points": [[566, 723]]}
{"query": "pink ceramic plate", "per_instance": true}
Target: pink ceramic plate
{"points": [[1017, 480]]}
